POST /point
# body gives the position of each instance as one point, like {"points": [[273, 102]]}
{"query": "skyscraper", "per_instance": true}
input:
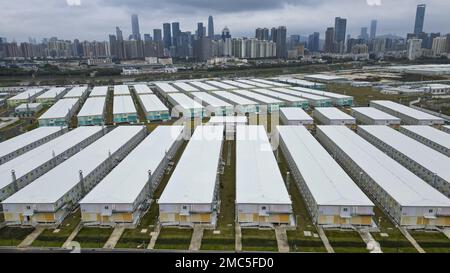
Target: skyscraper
{"points": [[340, 29], [175, 33], [420, 18], [226, 33], [364, 35], [157, 35], [210, 27], [281, 42], [313, 42], [119, 34], [329, 40], [167, 35], [373, 29], [135, 27], [200, 29]]}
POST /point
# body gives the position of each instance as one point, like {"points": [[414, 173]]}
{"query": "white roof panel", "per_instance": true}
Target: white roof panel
{"points": [[238, 100], [221, 85], [31, 160], [184, 101], [50, 187], [204, 86], [401, 184], [142, 89], [76, 92], [238, 84], [52, 93], [194, 179], [60, 109], [93, 107], [25, 139], [328, 183], [26, 94], [374, 113], [99, 91], [228, 119], [123, 105], [429, 158], [126, 181], [257, 84], [185, 87], [121, 90], [295, 113], [408, 111], [271, 83], [258, 178], [333, 113], [321, 93], [280, 95], [152, 103], [258, 97], [211, 100], [433, 134], [165, 87], [305, 95]]}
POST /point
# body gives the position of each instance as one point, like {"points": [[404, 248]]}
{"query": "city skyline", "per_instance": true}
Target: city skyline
{"points": [[223, 16]]}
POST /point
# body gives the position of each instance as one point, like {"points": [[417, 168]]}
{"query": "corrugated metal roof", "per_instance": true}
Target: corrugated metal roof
{"points": [[60, 109], [126, 181], [401, 184], [50, 187], [238, 84], [322, 93], [185, 87], [326, 180], [76, 92], [26, 94], [295, 113], [221, 85], [52, 93], [333, 113], [258, 178], [211, 100], [93, 107], [408, 111], [435, 135], [279, 95], [142, 89], [166, 88], [99, 91], [184, 101], [271, 83], [204, 86], [300, 94], [374, 113], [238, 100], [258, 97], [123, 105], [120, 90], [152, 103], [194, 178]]}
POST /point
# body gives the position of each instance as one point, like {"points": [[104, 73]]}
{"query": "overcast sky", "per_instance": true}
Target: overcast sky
{"points": [[95, 19]]}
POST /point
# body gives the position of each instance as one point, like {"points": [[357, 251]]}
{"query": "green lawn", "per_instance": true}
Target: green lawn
{"points": [[2, 217], [432, 241], [297, 240], [134, 238], [93, 237], [226, 239], [174, 238], [49, 238], [346, 241], [259, 240], [395, 242], [12, 236]]}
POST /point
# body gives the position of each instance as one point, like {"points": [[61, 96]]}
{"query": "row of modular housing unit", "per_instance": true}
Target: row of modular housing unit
{"points": [[49, 198]]}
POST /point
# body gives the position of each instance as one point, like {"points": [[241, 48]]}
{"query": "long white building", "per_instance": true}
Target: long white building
{"points": [[52, 196], [406, 198], [79, 92], [428, 164], [332, 198], [191, 195], [337, 99], [314, 100], [99, 91], [60, 113], [430, 136], [295, 116], [164, 88], [221, 85], [213, 104], [272, 104], [407, 114], [270, 83], [154, 108], [16, 146], [21, 171], [333, 116], [27, 96], [142, 89], [124, 110], [204, 86], [290, 100], [373, 116], [184, 87], [237, 84], [124, 194], [51, 96], [188, 107], [261, 195], [121, 90], [93, 112], [241, 104]]}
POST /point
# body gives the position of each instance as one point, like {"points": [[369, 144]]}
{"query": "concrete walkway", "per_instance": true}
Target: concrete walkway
{"points": [[238, 238], [411, 240], [324, 239], [114, 238], [155, 235], [282, 240], [30, 238], [72, 235], [196, 239], [372, 245], [446, 231]]}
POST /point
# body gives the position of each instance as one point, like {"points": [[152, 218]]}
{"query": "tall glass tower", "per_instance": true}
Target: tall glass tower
{"points": [[420, 18], [135, 27]]}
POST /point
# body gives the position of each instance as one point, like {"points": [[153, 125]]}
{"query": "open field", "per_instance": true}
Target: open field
{"points": [[93, 237], [259, 240], [174, 238], [51, 238], [432, 241], [12, 236], [346, 241]]}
